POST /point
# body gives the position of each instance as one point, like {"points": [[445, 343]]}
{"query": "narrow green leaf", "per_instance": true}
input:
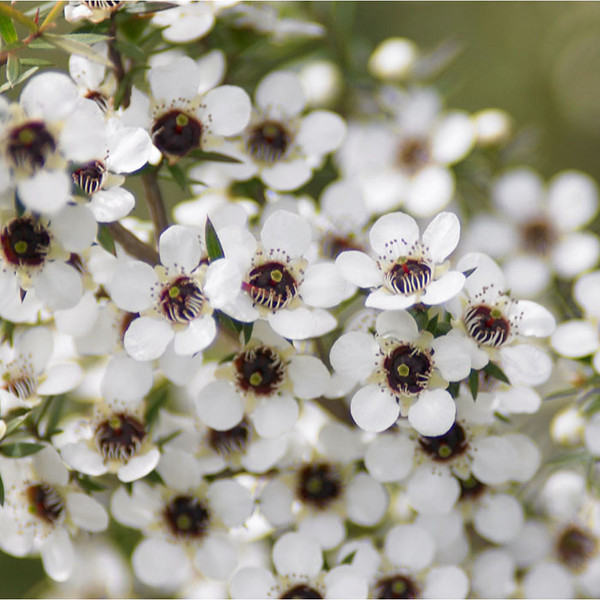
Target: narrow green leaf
{"points": [[143, 8], [474, 383], [106, 239], [453, 388], [41, 44], [443, 328], [167, 438], [247, 329], [40, 62], [74, 46], [89, 484], [178, 176], [213, 156], [7, 30], [20, 79], [8, 11], [421, 318], [15, 423], [501, 417], [52, 15], [154, 477], [213, 245], [1, 492], [86, 38], [13, 68], [493, 370], [54, 416], [20, 449], [231, 324], [130, 49], [348, 559], [156, 399], [432, 325]]}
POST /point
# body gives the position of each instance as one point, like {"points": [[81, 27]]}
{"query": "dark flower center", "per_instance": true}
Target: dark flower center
{"points": [[176, 133], [45, 502], [90, 177], [187, 516], [25, 242], [414, 154], [100, 99], [575, 546], [407, 369], [332, 245], [268, 142], [487, 326], [445, 447], [229, 441], [103, 4], [182, 301], [471, 488], [301, 591], [396, 586], [120, 437], [408, 276], [30, 144], [271, 285], [22, 387], [319, 484], [260, 370], [538, 237]]}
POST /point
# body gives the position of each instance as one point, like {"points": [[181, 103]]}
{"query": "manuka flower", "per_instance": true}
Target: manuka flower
{"points": [[408, 268]]}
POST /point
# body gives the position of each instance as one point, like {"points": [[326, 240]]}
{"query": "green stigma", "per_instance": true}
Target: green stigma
{"points": [[255, 379], [184, 522], [182, 120], [403, 370], [444, 451], [174, 291], [20, 247], [276, 275]]}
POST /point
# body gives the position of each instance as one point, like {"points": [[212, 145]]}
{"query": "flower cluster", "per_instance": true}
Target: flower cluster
{"points": [[248, 318]]}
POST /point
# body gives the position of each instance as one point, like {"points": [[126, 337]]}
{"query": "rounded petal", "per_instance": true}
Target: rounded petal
{"points": [[499, 519], [219, 406], [321, 132], [451, 357], [177, 80], [229, 109], [444, 288], [296, 554], [75, 227], [374, 409], [446, 582], [147, 338], [61, 378], [49, 465], [359, 268], [575, 338], [81, 457], [287, 232], [131, 284], [453, 137], [139, 466], [327, 528], [160, 563], [493, 462], [45, 192], [390, 458], [398, 323], [111, 204], [525, 364], [280, 93], [519, 193], [433, 413], [410, 547], [441, 236], [394, 234], [128, 149], [275, 415], [575, 253], [432, 492], [51, 96], [179, 470], [535, 320], [251, 582], [430, 190], [527, 275], [366, 500], [59, 286], [180, 247], [548, 580], [324, 286], [353, 355], [231, 501], [126, 379], [58, 556], [386, 300], [216, 558], [302, 323], [286, 176], [586, 292], [309, 376], [86, 513], [198, 335], [572, 200], [223, 282]]}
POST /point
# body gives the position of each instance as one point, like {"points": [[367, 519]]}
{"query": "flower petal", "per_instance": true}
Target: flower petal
{"points": [[321, 132], [297, 555], [219, 406], [441, 236], [433, 413], [229, 109], [281, 94], [359, 268], [147, 338], [394, 234], [374, 409]]}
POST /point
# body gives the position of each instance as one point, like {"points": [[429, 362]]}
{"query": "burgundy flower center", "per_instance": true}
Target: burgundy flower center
{"points": [[229, 441], [269, 141], [176, 133], [333, 245], [396, 586], [442, 448], [120, 437], [187, 517], [100, 99], [319, 484], [414, 154], [538, 237], [471, 488], [271, 285], [23, 386], [30, 144], [103, 4], [487, 326], [301, 591], [407, 369], [182, 301], [260, 370], [25, 242], [408, 276], [45, 502], [575, 546], [90, 177]]}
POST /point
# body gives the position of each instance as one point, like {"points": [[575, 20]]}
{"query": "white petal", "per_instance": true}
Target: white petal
{"points": [[321, 132], [430, 190], [433, 413], [128, 149], [286, 176], [160, 563], [57, 555], [50, 95], [410, 547], [139, 466], [344, 581], [216, 558], [179, 369], [526, 364], [219, 406], [86, 513], [353, 355], [309, 376], [251, 582], [451, 357], [592, 435], [137, 510], [49, 465], [518, 400], [126, 379], [572, 200], [275, 502], [493, 462], [340, 443], [453, 137], [324, 286], [177, 80], [586, 292], [274, 416], [45, 192], [398, 323], [529, 457], [286, 231], [81, 457], [295, 554], [548, 580], [366, 500], [59, 286], [527, 275], [374, 409], [229, 109], [60, 379], [535, 320], [441, 236], [444, 288], [359, 268], [223, 282], [394, 234], [147, 338], [519, 193], [327, 528], [83, 136], [131, 284], [179, 470], [212, 70], [36, 345], [75, 228], [575, 338], [446, 582], [282, 93], [386, 300], [494, 574], [432, 492], [499, 519], [486, 273], [230, 501], [390, 458], [262, 454], [111, 204], [575, 253], [302, 323], [180, 247], [198, 335]]}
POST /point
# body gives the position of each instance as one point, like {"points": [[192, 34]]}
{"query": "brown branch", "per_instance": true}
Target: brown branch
{"points": [[115, 58], [132, 244], [155, 203]]}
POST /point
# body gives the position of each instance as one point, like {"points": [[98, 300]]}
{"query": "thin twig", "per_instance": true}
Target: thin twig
{"points": [[154, 199], [133, 245]]}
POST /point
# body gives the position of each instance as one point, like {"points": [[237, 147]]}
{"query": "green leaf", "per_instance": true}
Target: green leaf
{"points": [[20, 79], [493, 370], [167, 438], [502, 418], [130, 49], [474, 383], [154, 477], [213, 156], [247, 329], [453, 389], [58, 403], [348, 559], [86, 38], [13, 68], [41, 44], [105, 239], [89, 484], [155, 400], [12, 13], [15, 422], [178, 176], [213, 245], [231, 324], [20, 449], [7, 30], [74, 46], [421, 318], [40, 62], [443, 328], [432, 325], [1, 492], [142, 8]]}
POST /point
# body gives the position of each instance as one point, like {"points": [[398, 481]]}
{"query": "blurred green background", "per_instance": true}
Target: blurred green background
{"points": [[539, 61]]}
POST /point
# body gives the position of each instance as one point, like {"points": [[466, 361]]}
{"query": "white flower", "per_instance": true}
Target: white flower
{"points": [[280, 145], [408, 268], [91, 10]]}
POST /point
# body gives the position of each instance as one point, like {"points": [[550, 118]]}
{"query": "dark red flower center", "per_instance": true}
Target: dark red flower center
{"points": [[487, 326], [271, 285], [408, 276], [301, 591], [45, 502], [268, 141], [187, 517], [442, 448], [90, 177], [25, 242], [260, 370], [407, 369], [319, 484], [30, 144], [120, 436], [182, 300], [176, 133], [396, 586]]}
